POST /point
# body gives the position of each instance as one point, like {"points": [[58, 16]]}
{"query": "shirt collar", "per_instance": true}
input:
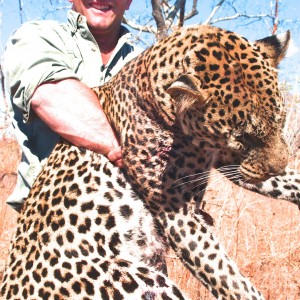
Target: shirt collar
{"points": [[78, 22], [73, 19]]}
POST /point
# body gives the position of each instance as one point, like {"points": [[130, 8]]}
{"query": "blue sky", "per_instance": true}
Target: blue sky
{"points": [[289, 12], [35, 9]]}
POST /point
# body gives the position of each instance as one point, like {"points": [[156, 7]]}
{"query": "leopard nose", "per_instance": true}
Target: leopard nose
{"points": [[275, 170], [278, 163]]}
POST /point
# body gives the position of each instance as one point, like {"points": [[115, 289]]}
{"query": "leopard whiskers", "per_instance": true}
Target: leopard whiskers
{"points": [[193, 178], [230, 171], [198, 180]]}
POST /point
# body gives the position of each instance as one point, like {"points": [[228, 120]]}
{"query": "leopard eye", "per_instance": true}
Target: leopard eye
{"points": [[252, 141], [243, 143], [236, 146], [239, 146]]}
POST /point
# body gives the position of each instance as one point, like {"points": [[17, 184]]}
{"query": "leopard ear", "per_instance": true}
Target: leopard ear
{"points": [[274, 47], [186, 90]]}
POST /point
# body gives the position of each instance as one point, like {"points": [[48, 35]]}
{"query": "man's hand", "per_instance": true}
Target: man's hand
{"points": [[115, 156]]}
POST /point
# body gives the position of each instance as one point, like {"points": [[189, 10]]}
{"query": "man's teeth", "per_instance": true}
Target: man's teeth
{"points": [[101, 7]]}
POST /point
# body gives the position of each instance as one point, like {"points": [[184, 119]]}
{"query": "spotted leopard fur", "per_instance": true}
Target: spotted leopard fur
{"points": [[201, 98]]}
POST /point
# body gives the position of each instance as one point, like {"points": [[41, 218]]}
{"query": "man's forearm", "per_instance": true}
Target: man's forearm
{"points": [[73, 111]]}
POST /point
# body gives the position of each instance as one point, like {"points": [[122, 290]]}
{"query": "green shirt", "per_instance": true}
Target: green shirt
{"points": [[45, 51]]}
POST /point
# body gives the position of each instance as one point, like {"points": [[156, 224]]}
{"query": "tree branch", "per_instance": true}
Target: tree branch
{"points": [[181, 14], [21, 11], [173, 13], [214, 11], [159, 19], [276, 21], [188, 16], [238, 15], [163, 23], [139, 27], [193, 11]]}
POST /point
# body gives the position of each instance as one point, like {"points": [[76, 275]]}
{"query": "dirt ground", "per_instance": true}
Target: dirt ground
{"points": [[262, 235]]}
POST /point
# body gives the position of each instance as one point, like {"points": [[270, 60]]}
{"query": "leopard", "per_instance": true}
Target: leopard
{"points": [[201, 98]]}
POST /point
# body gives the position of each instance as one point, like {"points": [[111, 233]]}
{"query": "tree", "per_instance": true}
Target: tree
{"points": [[165, 13], [169, 14], [162, 16]]}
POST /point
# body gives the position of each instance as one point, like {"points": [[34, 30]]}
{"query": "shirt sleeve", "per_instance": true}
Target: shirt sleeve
{"points": [[35, 54]]}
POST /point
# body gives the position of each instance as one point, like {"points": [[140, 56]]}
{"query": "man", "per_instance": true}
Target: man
{"points": [[49, 69]]}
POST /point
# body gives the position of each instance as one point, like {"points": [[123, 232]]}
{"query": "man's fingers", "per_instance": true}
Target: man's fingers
{"points": [[115, 156], [118, 163]]}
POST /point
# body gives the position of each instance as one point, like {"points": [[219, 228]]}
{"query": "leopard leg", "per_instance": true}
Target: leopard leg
{"points": [[286, 187], [193, 241], [141, 282]]}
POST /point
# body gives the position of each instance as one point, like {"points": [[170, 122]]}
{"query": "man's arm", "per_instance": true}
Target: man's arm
{"points": [[72, 110]]}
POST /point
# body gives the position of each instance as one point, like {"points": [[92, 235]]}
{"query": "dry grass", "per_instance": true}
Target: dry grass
{"points": [[9, 157]]}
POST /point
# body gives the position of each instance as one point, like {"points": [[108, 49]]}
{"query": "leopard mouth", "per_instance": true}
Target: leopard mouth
{"points": [[252, 176]]}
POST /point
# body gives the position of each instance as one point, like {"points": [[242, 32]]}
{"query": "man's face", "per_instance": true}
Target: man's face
{"points": [[102, 15]]}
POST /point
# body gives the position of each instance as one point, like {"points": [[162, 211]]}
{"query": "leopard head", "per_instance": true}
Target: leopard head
{"points": [[229, 97]]}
